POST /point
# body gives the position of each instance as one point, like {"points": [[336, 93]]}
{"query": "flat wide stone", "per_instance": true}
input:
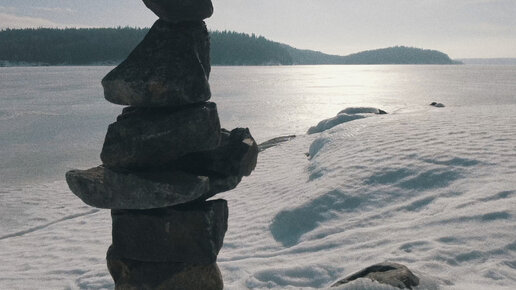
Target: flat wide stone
{"points": [[150, 137], [170, 67], [180, 10], [190, 233], [131, 274], [104, 188]]}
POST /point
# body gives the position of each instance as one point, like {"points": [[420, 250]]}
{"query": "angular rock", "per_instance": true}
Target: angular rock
{"points": [[180, 10], [382, 112], [235, 156], [150, 137], [131, 274], [170, 67], [392, 274], [190, 233], [104, 188], [220, 184]]}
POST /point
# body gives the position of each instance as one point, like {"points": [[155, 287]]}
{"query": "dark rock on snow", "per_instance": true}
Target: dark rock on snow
{"points": [[104, 188], [132, 274], [170, 67], [437, 105], [235, 156], [150, 137], [180, 10], [392, 274], [190, 233], [274, 142]]}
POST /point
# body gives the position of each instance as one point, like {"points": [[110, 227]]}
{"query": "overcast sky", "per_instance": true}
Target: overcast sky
{"points": [[460, 28]]}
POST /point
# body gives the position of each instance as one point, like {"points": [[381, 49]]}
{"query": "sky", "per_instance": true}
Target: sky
{"points": [[460, 28]]}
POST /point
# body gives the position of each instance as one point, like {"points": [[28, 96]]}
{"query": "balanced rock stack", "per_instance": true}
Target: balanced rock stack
{"points": [[165, 156]]}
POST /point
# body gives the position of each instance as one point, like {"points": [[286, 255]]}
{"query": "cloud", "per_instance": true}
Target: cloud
{"points": [[15, 21]]}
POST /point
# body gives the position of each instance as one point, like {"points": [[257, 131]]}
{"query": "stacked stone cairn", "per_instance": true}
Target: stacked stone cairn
{"points": [[165, 156]]}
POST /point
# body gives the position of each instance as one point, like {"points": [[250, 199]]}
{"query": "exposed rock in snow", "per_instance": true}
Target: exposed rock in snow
{"points": [[274, 142], [393, 274], [437, 105]]}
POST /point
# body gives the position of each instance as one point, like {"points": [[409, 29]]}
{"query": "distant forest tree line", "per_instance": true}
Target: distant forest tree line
{"points": [[90, 46]]}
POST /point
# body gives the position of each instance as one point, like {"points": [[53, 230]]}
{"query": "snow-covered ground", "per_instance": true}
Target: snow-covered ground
{"points": [[431, 188]]}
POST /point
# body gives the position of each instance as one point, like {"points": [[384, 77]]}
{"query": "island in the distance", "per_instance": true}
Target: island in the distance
{"points": [[108, 46]]}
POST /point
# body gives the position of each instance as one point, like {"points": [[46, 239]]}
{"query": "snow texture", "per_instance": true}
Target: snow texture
{"points": [[434, 190]]}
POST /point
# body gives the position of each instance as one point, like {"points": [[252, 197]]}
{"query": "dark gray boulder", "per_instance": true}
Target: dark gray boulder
{"points": [[191, 233], [104, 188], [151, 137], [132, 274], [236, 155], [180, 10], [170, 67], [392, 274]]}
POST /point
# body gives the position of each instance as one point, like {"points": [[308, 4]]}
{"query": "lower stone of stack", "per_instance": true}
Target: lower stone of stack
{"points": [[190, 233], [131, 274]]}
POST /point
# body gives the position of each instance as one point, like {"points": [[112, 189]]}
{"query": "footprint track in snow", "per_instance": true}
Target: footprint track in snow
{"points": [[40, 227]]}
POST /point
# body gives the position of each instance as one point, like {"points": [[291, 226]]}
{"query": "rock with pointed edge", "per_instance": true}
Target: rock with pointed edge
{"points": [[170, 67], [220, 184], [235, 156], [191, 233], [132, 274], [151, 137], [180, 10]]}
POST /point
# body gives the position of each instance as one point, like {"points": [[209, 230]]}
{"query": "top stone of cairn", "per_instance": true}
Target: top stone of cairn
{"points": [[180, 10]]}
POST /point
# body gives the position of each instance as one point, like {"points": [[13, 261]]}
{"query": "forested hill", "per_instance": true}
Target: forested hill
{"points": [[71, 46]]}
